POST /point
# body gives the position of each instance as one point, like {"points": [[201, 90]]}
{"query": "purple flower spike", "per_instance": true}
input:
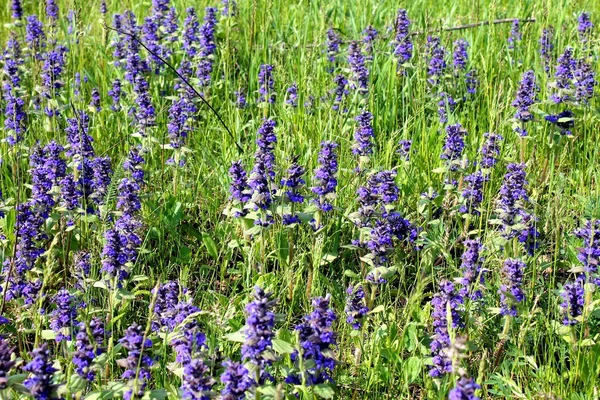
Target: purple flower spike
{"points": [[356, 308], [403, 46], [265, 83], [473, 272], [573, 296], [41, 372], [325, 175], [510, 292], [464, 390], [260, 320], [454, 146], [363, 136], [360, 73], [526, 97], [446, 299], [236, 381]]}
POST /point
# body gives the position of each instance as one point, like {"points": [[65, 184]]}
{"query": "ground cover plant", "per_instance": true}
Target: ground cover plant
{"points": [[267, 199]]}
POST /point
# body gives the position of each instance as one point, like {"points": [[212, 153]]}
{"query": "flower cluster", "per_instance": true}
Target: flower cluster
{"points": [[403, 47], [454, 146], [510, 291], [317, 342], [260, 320], [472, 268], [446, 299], [526, 97], [356, 308]]}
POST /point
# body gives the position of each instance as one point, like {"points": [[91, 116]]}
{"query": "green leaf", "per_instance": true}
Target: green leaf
{"points": [[324, 391], [236, 336], [282, 347], [210, 244], [48, 334], [378, 309]]}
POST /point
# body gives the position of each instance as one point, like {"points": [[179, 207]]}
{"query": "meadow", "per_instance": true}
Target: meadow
{"points": [[274, 199]]}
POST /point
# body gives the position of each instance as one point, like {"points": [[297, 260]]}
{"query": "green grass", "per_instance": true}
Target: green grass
{"points": [[187, 236]]}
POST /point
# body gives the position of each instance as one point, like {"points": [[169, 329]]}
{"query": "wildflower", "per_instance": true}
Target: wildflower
{"points": [[325, 176], [547, 47], [333, 48], [436, 59], [240, 99], [265, 83], [564, 75], [446, 105], [589, 254], [260, 320], [356, 308], [370, 34], [236, 381], [135, 165], [138, 362], [6, 361], [178, 127], [101, 178], [490, 150], [196, 381], [41, 372], [191, 32], [461, 57], [69, 192], [294, 181], [340, 91], [585, 82], [471, 81], [404, 148], [95, 102], [15, 121], [454, 145], [264, 163], [573, 295], [86, 351], [64, 316], [167, 297], [239, 188], [17, 10], [403, 46], [80, 143], [464, 390], [317, 341], [585, 27], [472, 194], [360, 73], [516, 221], [229, 8], [526, 97], [510, 291], [446, 299], [12, 60], [473, 272], [363, 136], [34, 35], [292, 99], [515, 34], [52, 10], [207, 46], [144, 113]]}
